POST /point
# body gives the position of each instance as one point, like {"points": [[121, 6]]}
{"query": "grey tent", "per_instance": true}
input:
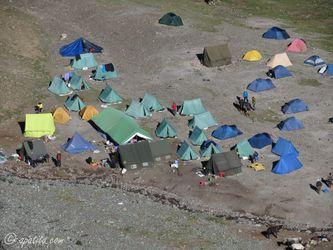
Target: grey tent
{"points": [[34, 151], [161, 150], [135, 155], [226, 162], [215, 56]]}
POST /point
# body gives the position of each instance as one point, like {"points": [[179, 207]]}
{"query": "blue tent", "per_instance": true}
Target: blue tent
{"points": [[78, 144], [79, 46], [279, 72], [276, 33], [286, 164], [326, 70], [314, 61], [260, 85], [226, 131], [284, 147], [291, 123], [294, 106], [260, 140]]}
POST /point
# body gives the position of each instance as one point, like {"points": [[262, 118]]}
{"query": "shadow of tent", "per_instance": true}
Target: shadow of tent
{"points": [[22, 126], [172, 111], [314, 188]]}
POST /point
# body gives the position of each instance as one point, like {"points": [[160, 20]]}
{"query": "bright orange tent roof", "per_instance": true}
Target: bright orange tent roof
{"points": [[61, 115], [88, 112]]}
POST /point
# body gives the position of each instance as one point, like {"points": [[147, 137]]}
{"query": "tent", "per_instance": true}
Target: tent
{"points": [[185, 152], [244, 149], [104, 72], [252, 56], [38, 125], [78, 83], [260, 84], [34, 150], [61, 115], [88, 112], [215, 56], [151, 103], [326, 70], [161, 150], [330, 120], [197, 136], [58, 87], [208, 148], [289, 124], [136, 154], [171, 19], [118, 126], [165, 130], [226, 131], [137, 110], [297, 46], [260, 140], [109, 95], [74, 103], [286, 164], [314, 61], [276, 33], [279, 72], [284, 147], [202, 121], [83, 61], [279, 59], [79, 46], [192, 107], [226, 162], [77, 144], [294, 106]]}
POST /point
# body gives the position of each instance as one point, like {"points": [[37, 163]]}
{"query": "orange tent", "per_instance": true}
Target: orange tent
{"points": [[279, 59], [88, 112], [297, 46], [61, 115]]}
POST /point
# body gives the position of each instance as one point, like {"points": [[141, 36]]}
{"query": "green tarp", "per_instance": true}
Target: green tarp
{"points": [[171, 19], [101, 74], [186, 152], [151, 103], [215, 56], [137, 110], [192, 107], [109, 95], [244, 149], [203, 121], [78, 83], [165, 130], [74, 103], [119, 126], [83, 61], [208, 151], [59, 87], [38, 125], [197, 136]]}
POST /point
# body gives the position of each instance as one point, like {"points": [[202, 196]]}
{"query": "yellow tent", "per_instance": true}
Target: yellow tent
{"points": [[252, 56], [61, 115], [88, 112], [257, 166], [279, 59], [38, 125]]}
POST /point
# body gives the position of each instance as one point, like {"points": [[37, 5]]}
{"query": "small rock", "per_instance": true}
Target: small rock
{"points": [[78, 242]]}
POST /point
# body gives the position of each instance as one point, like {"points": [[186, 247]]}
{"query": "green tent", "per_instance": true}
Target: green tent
{"points": [[197, 136], [109, 95], [185, 152], [151, 103], [244, 149], [83, 61], [38, 125], [74, 103], [215, 56], [58, 87], [192, 107], [119, 126], [171, 19], [165, 130], [102, 72], [208, 151], [78, 83], [137, 110], [203, 121]]}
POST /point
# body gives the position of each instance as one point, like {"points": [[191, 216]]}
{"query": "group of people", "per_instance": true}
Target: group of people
{"points": [[328, 182], [244, 104]]}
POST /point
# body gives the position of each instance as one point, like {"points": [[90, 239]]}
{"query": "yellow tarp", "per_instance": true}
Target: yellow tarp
{"points": [[88, 112], [252, 56], [257, 166], [38, 125], [61, 115], [279, 59]]}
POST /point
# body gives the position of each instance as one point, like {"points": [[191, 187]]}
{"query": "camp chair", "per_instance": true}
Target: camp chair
{"points": [[257, 166]]}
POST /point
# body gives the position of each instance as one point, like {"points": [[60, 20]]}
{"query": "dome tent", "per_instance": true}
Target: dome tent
{"points": [[171, 19]]}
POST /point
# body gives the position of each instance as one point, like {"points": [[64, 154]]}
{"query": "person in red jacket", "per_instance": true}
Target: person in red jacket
{"points": [[58, 159]]}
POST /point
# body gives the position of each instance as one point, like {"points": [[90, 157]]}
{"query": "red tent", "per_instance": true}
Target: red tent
{"points": [[297, 46]]}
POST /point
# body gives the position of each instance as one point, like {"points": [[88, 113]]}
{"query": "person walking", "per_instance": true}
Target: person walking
{"points": [[58, 159]]}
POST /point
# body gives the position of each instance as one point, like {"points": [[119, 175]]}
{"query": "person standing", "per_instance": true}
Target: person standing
{"points": [[58, 159], [246, 96]]}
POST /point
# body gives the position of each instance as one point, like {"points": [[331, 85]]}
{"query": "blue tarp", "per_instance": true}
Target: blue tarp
{"points": [[294, 106], [291, 123], [314, 61], [327, 70], [260, 140], [276, 33], [284, 147], [286, 164], [261, 85], [279, 72], [79, 46], [78, 144], [226, 131]]}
